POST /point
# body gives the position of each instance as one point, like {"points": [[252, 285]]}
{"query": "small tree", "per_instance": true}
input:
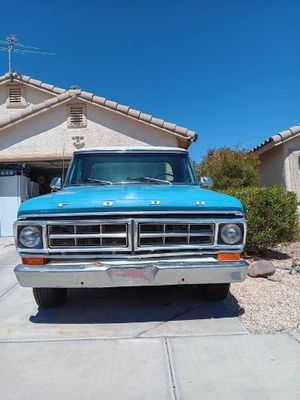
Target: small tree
{"points": [[230, 168]]}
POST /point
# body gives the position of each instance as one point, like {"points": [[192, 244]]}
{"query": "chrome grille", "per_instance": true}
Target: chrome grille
{"points": [[175, 234], [89, 234]]}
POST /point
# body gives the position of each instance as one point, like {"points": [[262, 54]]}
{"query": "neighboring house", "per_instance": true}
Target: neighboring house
{"points": [[41, 124], [280, 160]]}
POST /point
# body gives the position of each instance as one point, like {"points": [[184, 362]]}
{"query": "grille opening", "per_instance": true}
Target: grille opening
{"points": [[81, 229], [176, 240], [200, 240], [62, 242], [61, 229], [151, 241], [111, 242], [88, 242], [199, 228], [113, 228], [177, 228], [148, 228]]}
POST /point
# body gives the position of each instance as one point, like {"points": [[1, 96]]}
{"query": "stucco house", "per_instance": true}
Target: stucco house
{"points": [[40, 124], [280, 160]]}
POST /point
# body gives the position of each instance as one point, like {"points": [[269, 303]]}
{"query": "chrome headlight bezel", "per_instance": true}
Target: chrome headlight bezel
{"points": [[35, 241], [230, 229]]}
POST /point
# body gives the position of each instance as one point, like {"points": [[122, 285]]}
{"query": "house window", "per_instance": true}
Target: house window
{"points": [[77, 116], [16, 96]]}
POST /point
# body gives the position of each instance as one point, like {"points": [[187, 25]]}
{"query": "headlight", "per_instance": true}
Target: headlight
{"points": [[30, 236], [231, 234]]}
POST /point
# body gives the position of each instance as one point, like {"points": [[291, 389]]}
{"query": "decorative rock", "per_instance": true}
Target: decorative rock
{"points": [[262, 268]]}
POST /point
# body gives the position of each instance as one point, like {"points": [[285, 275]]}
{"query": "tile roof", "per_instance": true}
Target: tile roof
{"points": [[277, 139], [64, 95]]}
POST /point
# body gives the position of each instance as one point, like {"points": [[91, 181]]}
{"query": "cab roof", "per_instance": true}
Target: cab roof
{"points": [[118, 149]]}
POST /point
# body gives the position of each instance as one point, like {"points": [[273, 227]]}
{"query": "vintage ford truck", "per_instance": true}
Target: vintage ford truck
{"points": [[129, 217]]}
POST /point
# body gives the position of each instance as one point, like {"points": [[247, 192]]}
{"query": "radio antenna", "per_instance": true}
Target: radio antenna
{"points": [[12, 45], [63, 166]]}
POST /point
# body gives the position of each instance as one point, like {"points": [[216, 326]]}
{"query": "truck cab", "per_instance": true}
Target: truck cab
{"points": [[129, 217]]}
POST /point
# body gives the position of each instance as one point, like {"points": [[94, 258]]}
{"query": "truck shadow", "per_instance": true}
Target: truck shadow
{"points": [[139, 304]]}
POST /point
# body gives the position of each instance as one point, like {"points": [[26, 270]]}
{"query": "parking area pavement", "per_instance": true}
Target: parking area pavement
{"points": [[136, 343]]}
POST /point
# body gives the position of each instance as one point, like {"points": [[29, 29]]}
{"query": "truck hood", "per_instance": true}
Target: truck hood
{"points": [[132, 197]]}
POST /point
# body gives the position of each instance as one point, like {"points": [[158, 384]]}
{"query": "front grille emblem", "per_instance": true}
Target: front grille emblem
{"points": [[200, 203], [107, 203], [62, 204], [155, 202]]}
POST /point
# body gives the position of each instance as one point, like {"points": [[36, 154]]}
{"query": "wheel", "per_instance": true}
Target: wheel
{"points": [[215, 291], [49, 297]]}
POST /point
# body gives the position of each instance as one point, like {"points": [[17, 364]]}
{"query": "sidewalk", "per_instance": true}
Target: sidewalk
{"points": [[232, 367]]}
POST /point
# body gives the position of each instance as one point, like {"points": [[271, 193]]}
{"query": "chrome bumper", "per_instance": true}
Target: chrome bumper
{"points": [[112, 273]]}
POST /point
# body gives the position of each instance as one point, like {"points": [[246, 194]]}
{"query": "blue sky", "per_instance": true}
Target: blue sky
{"points": [[227, 69]]}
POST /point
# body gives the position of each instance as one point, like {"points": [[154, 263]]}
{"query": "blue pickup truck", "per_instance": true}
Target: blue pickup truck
{"points": [[129, 217]]}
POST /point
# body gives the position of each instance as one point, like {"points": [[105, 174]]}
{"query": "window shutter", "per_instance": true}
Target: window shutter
{"points": [[77, 116]]}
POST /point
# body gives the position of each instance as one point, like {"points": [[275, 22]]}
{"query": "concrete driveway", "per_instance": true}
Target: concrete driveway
{"points": [[137, 343]]}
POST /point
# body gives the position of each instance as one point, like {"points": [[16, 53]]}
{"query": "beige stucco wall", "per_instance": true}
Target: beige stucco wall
{"points": [[280, 165], [291, 150], [45, 135], [32, 95], [272, 167]]}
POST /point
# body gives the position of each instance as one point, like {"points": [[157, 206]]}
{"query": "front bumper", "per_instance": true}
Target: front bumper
{"points": [[114, 273]]}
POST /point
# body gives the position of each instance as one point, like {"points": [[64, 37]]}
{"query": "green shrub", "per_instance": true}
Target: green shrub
{"points": [[271, 215], [230, 168]]}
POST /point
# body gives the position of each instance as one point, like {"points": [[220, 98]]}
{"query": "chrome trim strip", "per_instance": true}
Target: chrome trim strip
{"points": [[129, 213], [87, 235], [175, 234], [131, 256]]}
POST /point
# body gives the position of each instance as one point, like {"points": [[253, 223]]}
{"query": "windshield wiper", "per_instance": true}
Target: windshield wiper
{"points": [[148, 179], [100, 181]]}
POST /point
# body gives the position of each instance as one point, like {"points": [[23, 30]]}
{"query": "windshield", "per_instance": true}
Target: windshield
{"points": [[113, 168]]}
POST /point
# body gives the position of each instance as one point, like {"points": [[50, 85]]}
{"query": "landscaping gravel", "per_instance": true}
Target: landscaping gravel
{"points": [[269, 305]]}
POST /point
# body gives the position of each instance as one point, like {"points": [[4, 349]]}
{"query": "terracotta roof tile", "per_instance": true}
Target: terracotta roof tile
{"points": [[122, 108], [99, 100], [134, 113], [279, 138], [157, 121], [111, 104], [145, 117], [169, 125], [86, 95]]}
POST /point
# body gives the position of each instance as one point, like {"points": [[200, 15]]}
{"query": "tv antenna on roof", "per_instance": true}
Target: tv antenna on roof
{"points": [[12, 45]]}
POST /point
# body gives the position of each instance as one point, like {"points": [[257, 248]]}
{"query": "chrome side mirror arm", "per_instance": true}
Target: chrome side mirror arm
{"points": [[206, 182], [56, 184]]}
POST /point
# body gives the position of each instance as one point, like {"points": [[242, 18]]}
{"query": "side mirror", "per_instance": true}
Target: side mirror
{"points": [[55, 184], [206, 182]]}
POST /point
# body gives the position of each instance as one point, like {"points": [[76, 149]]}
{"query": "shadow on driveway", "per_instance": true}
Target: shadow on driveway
{"points": [[138, 304]]}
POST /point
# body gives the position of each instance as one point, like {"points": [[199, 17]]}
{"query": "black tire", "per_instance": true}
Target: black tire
{"points": [[215, 291], [49, 297]]}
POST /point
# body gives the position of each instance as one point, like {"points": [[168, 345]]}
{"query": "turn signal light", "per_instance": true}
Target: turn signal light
{"points": [[33, 261], [229, 257]]}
